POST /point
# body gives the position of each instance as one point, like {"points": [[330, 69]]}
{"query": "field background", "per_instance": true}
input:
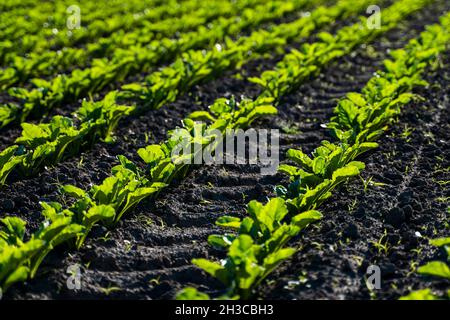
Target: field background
{"points": [[148, 254]]}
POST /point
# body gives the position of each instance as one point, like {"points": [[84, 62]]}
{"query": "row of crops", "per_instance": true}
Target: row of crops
{"points": [[66, 90]]}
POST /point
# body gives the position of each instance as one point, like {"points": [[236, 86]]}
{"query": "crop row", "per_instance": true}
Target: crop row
{"points": [[9, 5], [25, 20], [300, 64], [66, 88], [257, 243], [45, 26], [49, 38], [48, 143], [22, 69], [129, 185], [116, 195]]}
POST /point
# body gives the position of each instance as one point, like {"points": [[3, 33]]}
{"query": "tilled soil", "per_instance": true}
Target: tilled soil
{"points": [[147, 255], [405, 205]]}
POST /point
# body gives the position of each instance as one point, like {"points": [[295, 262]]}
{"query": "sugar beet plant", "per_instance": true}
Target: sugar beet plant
{"points": [[98, 119], [128, 185], [299, 65], [256, 244], [99, 19], [195, 66], [195, 15], [103, 72], [47, 143], [20, 259], [253, 250]]}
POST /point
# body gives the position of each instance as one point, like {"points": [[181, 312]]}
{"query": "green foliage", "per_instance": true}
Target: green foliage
{"points": [[314, 178], [192, 294], [363, 117], [435, 268], [127, 186], [258, 247], [49, 143], [424, 294], [57, 228], [300, 65], [114, 196], [258, 242], [9, 159], [20, 259], [163, 86], [121, 44], [98, 119]]}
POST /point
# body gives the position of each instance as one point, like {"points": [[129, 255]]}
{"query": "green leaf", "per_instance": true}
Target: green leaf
{"points": [[127, 164], [303, 219], [366, 146], [439, 242], [222, 106], [265, 111], [229, 222], [12, 258], [73, 191], [8, 161], [260, 81], [300, 158], [344, 173], [326, 37], [51, 210], [106, 193], [357, 99], [435, 268], [59, 231], [319, 165], [138, 195], [358, 164], [424, 294], [133, 87], [201, 116], [191, 294], [96, 213], [269, 215], [221, 241], [151, 154], [31, 132]]}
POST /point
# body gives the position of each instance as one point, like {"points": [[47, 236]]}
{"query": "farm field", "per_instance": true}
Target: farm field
{"points": [[106, 106]]}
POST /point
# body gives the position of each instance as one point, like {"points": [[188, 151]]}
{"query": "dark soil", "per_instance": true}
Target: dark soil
{"points": [[407, 210], [147, 256]]}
